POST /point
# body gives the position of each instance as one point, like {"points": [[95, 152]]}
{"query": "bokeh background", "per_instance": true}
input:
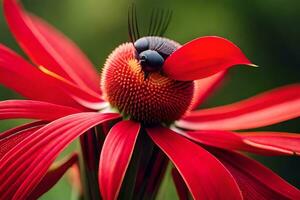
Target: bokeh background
{"points": [[267, 31]]}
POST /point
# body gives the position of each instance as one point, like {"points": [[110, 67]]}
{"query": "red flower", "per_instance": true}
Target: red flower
{"points": [[66, 97]]}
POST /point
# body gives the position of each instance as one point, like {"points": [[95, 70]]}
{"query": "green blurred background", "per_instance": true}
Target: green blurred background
{"points": [[267, 31]]}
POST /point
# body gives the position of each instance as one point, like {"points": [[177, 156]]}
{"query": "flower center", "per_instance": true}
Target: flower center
{"points": [[146, 96]]}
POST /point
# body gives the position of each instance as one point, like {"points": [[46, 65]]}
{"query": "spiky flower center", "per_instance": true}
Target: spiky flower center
{"points": [[149, 98]]}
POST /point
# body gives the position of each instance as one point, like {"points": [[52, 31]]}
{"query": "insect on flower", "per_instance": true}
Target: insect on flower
{"points": [[150, 88]]}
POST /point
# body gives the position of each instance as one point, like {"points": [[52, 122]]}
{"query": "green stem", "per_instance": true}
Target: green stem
{"points": [[154, 172], [90, 155], [143, 176], [145, 171], [141, 151]]}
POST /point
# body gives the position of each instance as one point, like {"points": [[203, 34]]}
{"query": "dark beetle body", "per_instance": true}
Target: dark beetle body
{"points": [[152, 51]]}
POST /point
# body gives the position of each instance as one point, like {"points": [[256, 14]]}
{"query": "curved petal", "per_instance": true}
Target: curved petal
{"points": [[24, 166], [204, 87], [286, 143], [12, 137], [83, 97], [115, 157], [54, 174], [271, 107], [16, 130], [266, 143], [71, 54], [12, 109], [22, 77], [181, 188], [203, 57], [203, 174], [48, 48], [41, 84], [255, 180]]}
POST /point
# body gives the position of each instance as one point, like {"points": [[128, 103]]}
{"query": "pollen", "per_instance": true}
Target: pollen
{"points": [[148, 98]]}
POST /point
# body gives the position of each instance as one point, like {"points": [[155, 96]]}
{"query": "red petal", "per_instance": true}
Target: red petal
{"points": [[286, 143], [83, 97], [255, 180], [115, 157], [266, 143], [220, 139], [12, 137], [14, 74], [203, 174], [53, 176], [28, 109], [204, 87], [203, 57], [24, 166], [265, 109], [181, 188], [72, 55], [48, 48], [24, 78], [20, 128]]}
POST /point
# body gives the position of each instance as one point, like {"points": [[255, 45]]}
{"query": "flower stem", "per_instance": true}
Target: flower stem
{"points": [[145, 172], [90, 155], [153, 175], [143, 176]]}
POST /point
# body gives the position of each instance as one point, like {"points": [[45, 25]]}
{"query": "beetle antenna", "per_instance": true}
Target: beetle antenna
{"points": [[167, 21], [151, 21], [159, 22], [132, 22], [129, 26], [155, 21], [135, 22], [133, 28]]}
